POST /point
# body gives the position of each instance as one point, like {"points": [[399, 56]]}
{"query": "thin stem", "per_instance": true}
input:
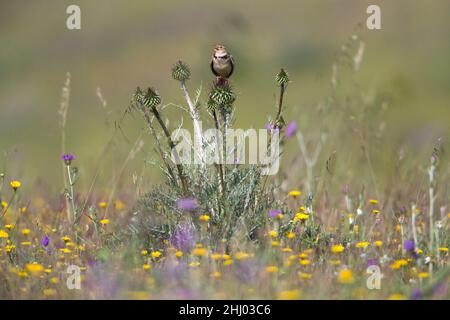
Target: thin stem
{"points": [[195, 119], [69, 176], [220, 165]]}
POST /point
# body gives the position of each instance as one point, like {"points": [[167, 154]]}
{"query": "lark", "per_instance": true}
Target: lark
{"points": [[222, 63]]}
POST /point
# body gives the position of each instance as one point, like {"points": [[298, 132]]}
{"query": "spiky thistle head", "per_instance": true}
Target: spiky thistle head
{"points": [[221, 96], [150, 98], [181, 72], [138, 96], [282, 78]]}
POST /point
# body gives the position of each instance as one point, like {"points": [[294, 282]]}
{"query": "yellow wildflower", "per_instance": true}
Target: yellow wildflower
{"points": [[289, 295], [378, 243], [204, 218], [423, 275], [275, 243], [26, 231], [15, 184], [9, 226], [119, 205], [362, 244], [104, 221], [49, 292], [146, 266], [290, 235], [54, 280], [200, 252], [294, 193], [443, 249], [102, 204], [398, 264], [301, 216], [4, 234], [272, 269], [228, 262], [156, 254], [34, 268], [346, 276], [397, 296], [216, 256], [373, 201], [241, 255], [305, 262], [273, 233], [144, 252], [305, 276], [178, 254], [337, 248]]}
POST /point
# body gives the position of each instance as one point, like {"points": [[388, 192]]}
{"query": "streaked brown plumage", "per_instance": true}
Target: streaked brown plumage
{"points": [[222, 63]]}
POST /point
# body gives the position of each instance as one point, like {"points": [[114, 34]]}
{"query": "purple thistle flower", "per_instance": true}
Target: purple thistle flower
{"points": [[291, 129], [45, 241], [187, 204], [409, 245], [271, 127], [273, 213], [184, 237], [416, 294], [439, 290], [67, 158], [372, 262]]}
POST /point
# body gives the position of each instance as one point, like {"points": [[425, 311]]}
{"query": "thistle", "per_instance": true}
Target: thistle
{"points": [[181, 72], [221, 96], [151, 99], [282, 78]]}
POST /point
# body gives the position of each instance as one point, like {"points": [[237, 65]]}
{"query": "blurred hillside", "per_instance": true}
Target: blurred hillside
{"points": [[123, 44]]}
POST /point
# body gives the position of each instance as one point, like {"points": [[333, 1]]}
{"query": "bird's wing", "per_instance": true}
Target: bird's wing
{"points": [[212, 68], [232, 65]]}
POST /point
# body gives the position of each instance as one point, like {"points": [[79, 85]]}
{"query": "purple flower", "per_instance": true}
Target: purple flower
{"points": [[408, 245], [187, 204], [45, 241], [271, 127], [439, 290], [184, 237], [67, 158], [274, 213], [291, 129], [416, 294], [372, 262]]}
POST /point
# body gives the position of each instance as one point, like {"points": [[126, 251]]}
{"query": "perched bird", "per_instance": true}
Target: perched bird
{"points": [[222, 63]]}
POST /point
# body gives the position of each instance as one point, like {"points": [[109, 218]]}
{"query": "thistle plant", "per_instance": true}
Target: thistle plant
{"points": [[230, 200]]}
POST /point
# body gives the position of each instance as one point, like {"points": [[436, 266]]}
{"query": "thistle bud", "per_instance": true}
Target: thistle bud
{"points": [[151, 99], [181, 72], [282, 78]]}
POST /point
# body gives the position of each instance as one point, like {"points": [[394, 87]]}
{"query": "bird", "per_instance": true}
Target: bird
{"points": [[222, 63]]}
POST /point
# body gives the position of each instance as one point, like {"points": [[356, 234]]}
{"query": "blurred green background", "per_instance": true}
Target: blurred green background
{"points": [[123, 44]]}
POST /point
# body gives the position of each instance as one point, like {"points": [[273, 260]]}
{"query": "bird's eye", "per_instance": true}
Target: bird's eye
{"points": [[224, 57]]}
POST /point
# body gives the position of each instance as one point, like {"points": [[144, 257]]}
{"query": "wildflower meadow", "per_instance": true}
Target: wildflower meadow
{"points": [[217, 190]]}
